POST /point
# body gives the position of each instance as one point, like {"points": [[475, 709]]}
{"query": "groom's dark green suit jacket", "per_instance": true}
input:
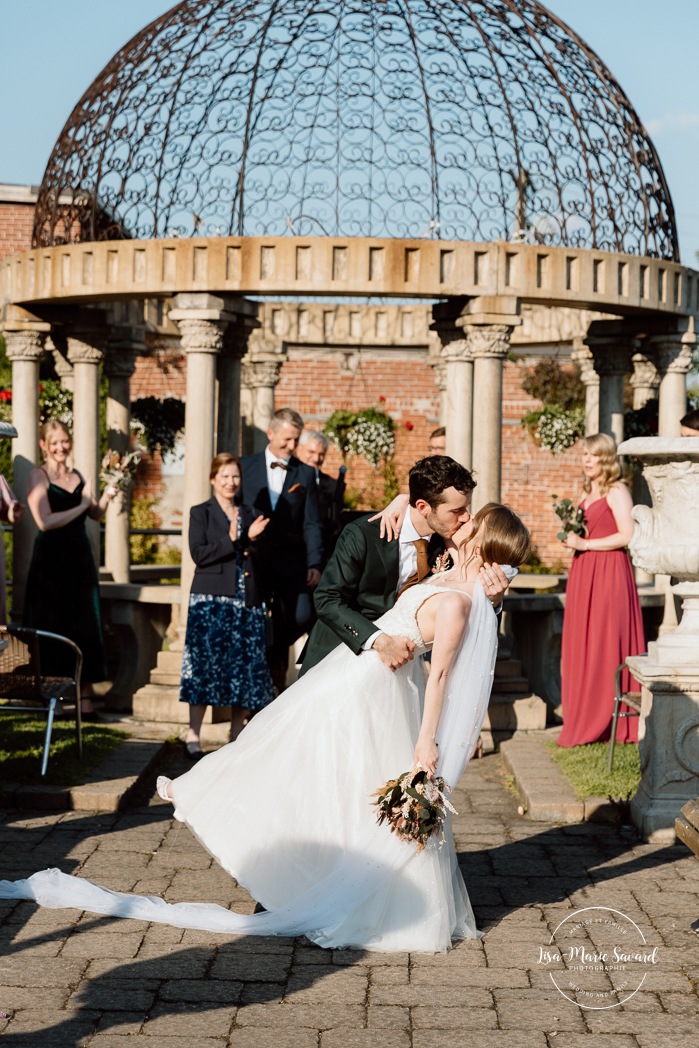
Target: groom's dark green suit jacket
{"points": [[357, 586]]}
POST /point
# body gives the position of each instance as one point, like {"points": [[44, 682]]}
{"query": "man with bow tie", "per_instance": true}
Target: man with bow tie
{"points": [[290, 552]]}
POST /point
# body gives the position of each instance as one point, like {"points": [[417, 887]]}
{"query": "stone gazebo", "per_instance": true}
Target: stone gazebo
{"points": [[476, 156]]}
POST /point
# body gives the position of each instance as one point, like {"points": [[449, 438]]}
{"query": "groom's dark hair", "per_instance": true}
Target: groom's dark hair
{"points": [[430, 477]]}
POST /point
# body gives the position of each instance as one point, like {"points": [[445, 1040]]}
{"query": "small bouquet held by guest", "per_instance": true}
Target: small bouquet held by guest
{"points": [[414, 806], [572, 518], [118, 470]]}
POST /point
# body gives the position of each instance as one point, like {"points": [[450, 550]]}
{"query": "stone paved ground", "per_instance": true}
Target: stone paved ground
{"points": [[72, 979]]}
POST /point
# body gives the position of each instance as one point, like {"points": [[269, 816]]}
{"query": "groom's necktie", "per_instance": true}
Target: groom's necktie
{"points": [[422, 566]]}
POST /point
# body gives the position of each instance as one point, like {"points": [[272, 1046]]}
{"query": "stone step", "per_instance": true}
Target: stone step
{"points": [[508, 668], [164, 678], [515, 713], [511, 686], [156, 702], [170, 662]]}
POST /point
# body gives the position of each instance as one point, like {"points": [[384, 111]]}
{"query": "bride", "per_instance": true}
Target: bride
{"points": [[286, 809]]}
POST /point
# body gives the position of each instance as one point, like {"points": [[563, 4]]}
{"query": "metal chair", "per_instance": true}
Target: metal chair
{"points": [[631, 699], [28, 690]]}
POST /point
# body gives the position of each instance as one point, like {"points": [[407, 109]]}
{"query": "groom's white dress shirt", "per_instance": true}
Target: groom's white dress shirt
{"points": [[407, 563]]}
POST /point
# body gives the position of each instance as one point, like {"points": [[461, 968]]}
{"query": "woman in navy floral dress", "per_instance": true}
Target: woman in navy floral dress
{"points": [[224, 660]]}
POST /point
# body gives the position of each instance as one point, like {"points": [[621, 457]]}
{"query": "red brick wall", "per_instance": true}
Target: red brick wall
{"points": [[16, 222], [530, 475]]}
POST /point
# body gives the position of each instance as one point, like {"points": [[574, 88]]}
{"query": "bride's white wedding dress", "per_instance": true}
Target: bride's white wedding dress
{"points": [[286, 808]]}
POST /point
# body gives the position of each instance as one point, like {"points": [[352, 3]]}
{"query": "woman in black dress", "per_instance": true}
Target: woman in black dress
{"points": [[62, 593], [224, 660]]}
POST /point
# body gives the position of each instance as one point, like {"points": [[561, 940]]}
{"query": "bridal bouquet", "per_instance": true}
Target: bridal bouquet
{"points": [[118, 470], [572, 518], [415, 806]]}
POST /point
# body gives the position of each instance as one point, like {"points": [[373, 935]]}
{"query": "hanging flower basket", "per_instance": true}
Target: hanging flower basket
{"points": [[554, 428], [369, 433]]}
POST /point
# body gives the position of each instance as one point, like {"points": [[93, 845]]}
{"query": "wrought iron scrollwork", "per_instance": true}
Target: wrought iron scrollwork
{"points": [[456, 119]]}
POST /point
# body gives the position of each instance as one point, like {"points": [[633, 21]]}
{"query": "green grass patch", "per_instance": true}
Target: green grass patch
{"points": [[22, 744], [586, 769]]}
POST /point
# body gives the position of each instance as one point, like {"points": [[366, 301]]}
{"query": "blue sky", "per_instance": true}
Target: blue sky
{"points": [[50, 51]]}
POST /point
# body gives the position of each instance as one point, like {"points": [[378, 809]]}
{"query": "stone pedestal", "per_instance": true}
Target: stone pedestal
{"points": [[665, 540], [668, 745], [261, 375], [582, 356]]}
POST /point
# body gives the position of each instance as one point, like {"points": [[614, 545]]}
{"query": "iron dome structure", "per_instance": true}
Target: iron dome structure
{"points": [[471, 120]]}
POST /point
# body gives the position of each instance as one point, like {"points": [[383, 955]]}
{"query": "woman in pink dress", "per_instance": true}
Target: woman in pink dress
{"points": [[602, 624]]}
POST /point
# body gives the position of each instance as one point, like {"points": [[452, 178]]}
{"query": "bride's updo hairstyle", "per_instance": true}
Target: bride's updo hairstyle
{"points": [[603, 446], [505, 539]]}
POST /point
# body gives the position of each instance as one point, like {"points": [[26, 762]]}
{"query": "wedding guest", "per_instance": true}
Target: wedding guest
{"points": [[12, 511], [312, 449], [291, 549], [602, 622], [224, 661], [689, 424], [62, 593], [438, 442]]}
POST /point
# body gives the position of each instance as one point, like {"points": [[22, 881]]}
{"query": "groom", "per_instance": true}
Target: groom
{"points": [[366, 573]]}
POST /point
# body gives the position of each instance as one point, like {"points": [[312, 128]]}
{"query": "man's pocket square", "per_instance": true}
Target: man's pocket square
{"points": [[294, 488]]}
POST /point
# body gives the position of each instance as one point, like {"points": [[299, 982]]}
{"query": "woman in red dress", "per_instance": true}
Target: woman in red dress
{"points": [[602, 622]]}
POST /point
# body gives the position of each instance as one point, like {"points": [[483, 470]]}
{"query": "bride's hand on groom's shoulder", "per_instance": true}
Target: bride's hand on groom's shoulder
{"points": [[394, 652], [392, 517]]}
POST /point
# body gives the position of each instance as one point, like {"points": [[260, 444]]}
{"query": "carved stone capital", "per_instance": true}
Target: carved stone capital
{"points": [[582, 356], [81, 352], [24, 345], [458, 349], [645, 374], [200, 336], [119, 362], [488, 340], [257, 373], [611, 357], [674, 356]]}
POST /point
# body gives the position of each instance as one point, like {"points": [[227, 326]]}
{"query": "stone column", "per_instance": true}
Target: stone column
{"points": [[25, 349], [56, 346], [119, 365], [85, 354], [439, 370], [582, 356], [229, 388], [201, 331], [673, 354], [489, 345], [459, 400], [612, 348], [262, 374], [644, 381]]}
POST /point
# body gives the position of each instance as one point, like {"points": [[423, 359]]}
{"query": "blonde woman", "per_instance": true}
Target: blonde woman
{"points": [[62, 593], [602, 622]]}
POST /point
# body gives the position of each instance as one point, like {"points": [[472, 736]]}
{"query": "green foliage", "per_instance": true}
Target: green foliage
{"points": [[158, 422], [555, 428], [555, 386], [150, 549], [22, 743], [55, 402], [369, 434], [586, 769], [535, 566]]}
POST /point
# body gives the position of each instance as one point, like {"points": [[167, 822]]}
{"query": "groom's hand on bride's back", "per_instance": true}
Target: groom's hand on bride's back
{"points": [[394, 652]]}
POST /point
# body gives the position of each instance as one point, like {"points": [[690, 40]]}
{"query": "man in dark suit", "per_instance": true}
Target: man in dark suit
{"points": [[312, 449], [290, 555], [366, 573]]}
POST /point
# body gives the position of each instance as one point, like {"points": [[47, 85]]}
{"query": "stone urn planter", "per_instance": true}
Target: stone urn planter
{"points": [[666, 542]]}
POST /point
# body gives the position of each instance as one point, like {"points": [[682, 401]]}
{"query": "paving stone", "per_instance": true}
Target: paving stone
{"points": [[388, 1017], [488, 978], [15, 998], [181, 1019], [261, 967], [459, 1017], [486, 1039], [390, 976], [113, 1040], [365, 1039], [125, 1024], [114, 998], [260, 1037], [424, 995], [201, 990], [102, 944], [58, 971], [618, 1020], [534, 1009], [289, 1015]]}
